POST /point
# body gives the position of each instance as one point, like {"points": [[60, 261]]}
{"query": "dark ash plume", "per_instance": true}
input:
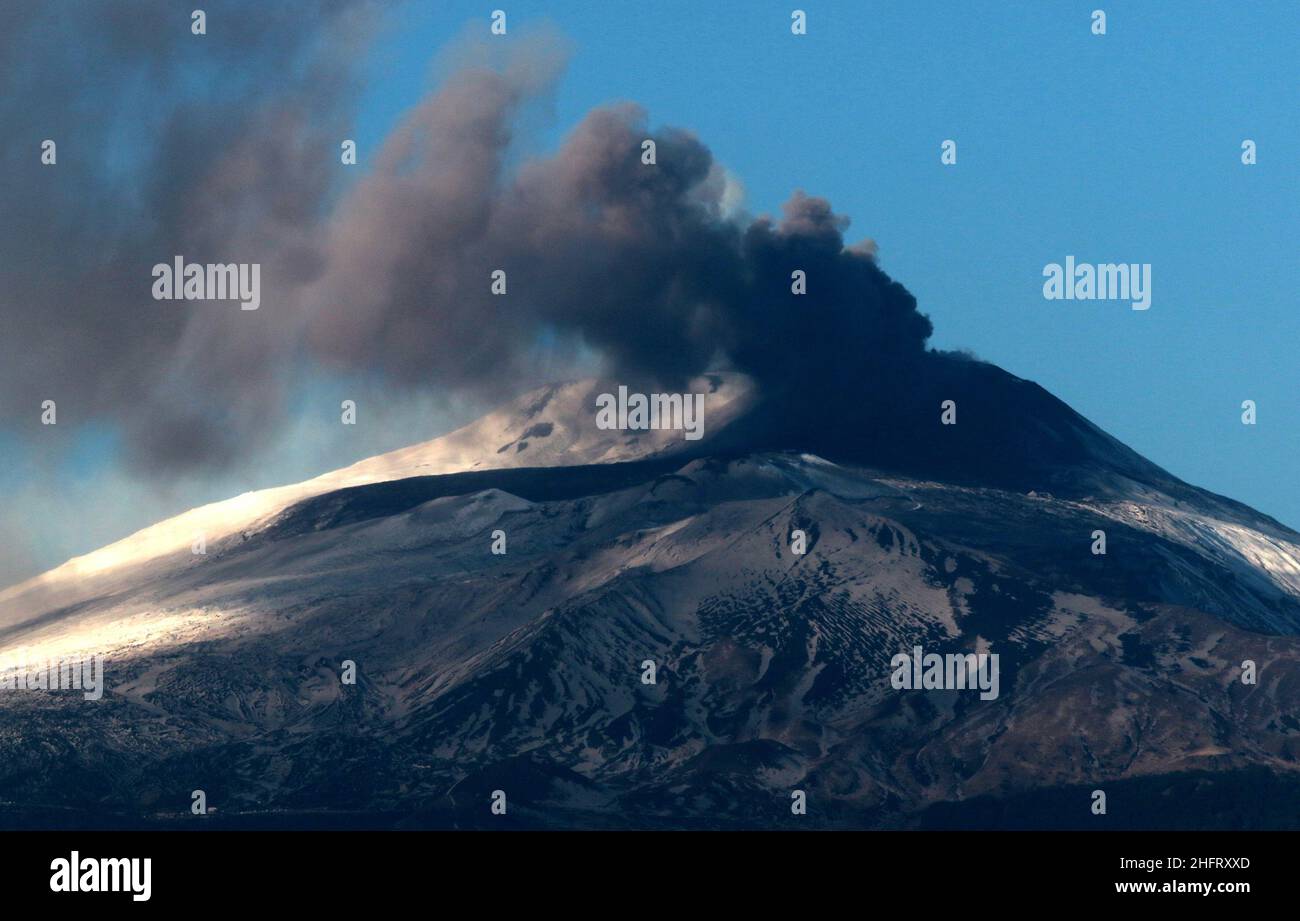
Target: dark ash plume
{"points": [[389, 277]]}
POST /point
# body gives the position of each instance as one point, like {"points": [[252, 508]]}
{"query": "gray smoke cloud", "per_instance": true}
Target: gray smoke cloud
{"points": [[217, 147], [646, 266]]}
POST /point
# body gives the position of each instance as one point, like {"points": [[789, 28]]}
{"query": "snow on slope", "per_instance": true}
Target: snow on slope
{"points": [[550, 426], [1247, 552]]}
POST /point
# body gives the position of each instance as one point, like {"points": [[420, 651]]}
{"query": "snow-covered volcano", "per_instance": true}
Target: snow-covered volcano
{"points": [[548, 427], [524, 671]]}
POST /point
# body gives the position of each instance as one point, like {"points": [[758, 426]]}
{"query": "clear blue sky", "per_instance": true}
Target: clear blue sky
{"points": [[1123, 148]]}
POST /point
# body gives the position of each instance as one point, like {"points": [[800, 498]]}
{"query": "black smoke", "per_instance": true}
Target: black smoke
{"points": [[225, 148], [642, 263]]}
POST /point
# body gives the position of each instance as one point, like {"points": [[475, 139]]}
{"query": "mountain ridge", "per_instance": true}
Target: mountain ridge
{"points": [[522, 670]]}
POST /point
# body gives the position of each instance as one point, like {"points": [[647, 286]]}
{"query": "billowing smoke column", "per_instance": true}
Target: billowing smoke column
{"points": [[638, 261], [390, 275]]}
